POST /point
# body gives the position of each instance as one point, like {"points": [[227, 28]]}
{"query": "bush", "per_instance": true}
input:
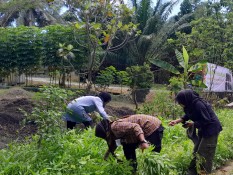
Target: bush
{"points": [[141, 80], [162, 104], [106, 77]]}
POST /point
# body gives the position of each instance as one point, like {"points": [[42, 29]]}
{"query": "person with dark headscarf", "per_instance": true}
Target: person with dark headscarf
{"points": [[78, 109], [206, 122], [133, 131]]}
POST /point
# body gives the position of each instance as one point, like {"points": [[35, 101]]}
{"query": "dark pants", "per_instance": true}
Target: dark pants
{"points": [[71, 125], [130, 149], [204, 151]]}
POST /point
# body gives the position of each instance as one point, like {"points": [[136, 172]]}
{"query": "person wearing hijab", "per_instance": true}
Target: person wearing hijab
{"points": [[204, 119], [78, 109], [134, 131]]}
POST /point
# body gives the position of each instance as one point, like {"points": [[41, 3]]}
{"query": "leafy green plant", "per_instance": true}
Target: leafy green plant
{"points": [[162, 104], [64, 154], [106, 77], [23, 50], [176, 84], [77, 152], [48, 111], [100, 23], [141, 80], [155, 164], [188, 70], [123, 78]]}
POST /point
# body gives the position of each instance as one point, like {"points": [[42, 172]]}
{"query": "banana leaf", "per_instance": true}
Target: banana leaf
{"points": [[197, 67], [180, 58], [165, 65], [186, 58]]}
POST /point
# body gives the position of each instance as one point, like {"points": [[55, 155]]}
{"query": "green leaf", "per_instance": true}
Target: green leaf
{"points": [[197, 67], [70, 47], [180, 58], [198, 83], [186, 58], [165, 65], [77, 25], [119, 25], [96, 26]]}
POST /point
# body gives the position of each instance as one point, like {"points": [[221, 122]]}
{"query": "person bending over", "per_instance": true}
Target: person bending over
{"points": [[78, 109], [134, 131]]}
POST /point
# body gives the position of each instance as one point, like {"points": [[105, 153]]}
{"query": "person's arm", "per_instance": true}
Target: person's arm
{"points": [[143, 143], [100, 109], [128, 128], [111, 149], [174, 122]]}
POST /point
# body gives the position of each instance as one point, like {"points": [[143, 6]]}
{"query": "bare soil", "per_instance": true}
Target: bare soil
{"points": [[11, 117]]}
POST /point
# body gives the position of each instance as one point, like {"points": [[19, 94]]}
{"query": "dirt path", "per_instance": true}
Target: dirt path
{"points": [[46, 80], [225, 170]]}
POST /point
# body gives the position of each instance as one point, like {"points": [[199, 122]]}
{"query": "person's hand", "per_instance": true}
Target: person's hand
{"points": [[188, 124], [172, 123], [143, 146]]}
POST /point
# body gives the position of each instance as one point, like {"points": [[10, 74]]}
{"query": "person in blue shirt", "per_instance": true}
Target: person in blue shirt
{"points": [[204, 119], [78, 110]]}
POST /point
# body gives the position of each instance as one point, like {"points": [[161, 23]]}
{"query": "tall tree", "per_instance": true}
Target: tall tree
{"points": [[28, 13], [154, 32], [101, 22], [211, 37]]}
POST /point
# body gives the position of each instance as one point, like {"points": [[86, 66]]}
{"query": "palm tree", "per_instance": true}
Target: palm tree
{"points": [[155, 31], [28, 13]]}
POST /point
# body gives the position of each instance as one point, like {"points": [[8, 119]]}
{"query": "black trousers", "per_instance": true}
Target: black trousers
{"points": [[130, 149], [71, 125], [204, 147]]}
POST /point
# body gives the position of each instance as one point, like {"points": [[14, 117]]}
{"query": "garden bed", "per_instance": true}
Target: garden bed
{"points": [[11, 117]]}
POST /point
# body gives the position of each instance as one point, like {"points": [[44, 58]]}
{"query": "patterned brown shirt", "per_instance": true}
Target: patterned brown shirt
{"points": [[128, 129]]}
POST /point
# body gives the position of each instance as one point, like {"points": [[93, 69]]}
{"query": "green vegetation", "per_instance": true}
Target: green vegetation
{"points": [[79, 152], [57, 151], [188, 70], [140, 82], [109, 42]]}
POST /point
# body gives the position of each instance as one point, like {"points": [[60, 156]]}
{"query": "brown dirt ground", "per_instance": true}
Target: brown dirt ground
{"points": [[11, 117], [14, 99]]}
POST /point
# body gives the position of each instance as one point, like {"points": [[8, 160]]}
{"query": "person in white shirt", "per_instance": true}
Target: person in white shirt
{"points": [[78, 109]]}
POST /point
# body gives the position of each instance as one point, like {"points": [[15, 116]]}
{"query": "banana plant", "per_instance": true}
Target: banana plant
{"points": [[188, 72]]}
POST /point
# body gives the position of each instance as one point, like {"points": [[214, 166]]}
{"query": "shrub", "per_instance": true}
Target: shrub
{"points": [[141, 80], [162, 104]]}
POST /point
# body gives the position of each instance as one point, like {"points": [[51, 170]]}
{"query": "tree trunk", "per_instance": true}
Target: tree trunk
{"points": [[63, 79], [134, 98]]}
